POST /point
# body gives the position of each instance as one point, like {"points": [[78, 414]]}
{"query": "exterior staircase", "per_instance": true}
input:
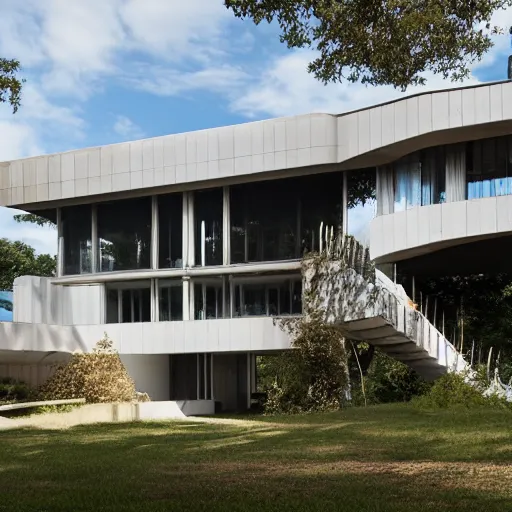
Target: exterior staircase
{"points": [[367, 306]]}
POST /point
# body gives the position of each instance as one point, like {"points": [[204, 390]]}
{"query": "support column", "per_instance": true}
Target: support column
{"points": [[186, 298], [212, 394], [344, 208], [198, 379], [94, 239], [205, 373], [254, 383], [155, 301], [191, 301], [60, 244], [191, 231], [225, 306], [119, 306], [154, 232], [298, 229], [231, 297], [184, 231], [249, 380], [226, 226]]}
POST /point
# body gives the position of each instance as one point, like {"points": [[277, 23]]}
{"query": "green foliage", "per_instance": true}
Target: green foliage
{"points": [[49, 409], [10, 84], [19, 259], [313, 376], [451, 390], [98, 377], [12, 390], [33, 219], [486, 303], [386, 381], [381, 42]]}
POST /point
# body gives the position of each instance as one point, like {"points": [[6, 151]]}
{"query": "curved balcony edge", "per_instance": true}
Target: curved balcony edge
{"points": [[426, 229]]}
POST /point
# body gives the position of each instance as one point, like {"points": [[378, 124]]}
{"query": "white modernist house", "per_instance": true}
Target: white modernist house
{"points": [[183, 247]]}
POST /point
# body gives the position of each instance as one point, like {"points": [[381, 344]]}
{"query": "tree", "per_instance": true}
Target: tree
{"points": [[10, 84], [19, 259], [381, 42], [33, 219], [99, 376]]}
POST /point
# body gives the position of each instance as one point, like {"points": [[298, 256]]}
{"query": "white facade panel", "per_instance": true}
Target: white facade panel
{"points": [[412, 110], [413, 227], [454, 220], [504, 214], [363, 131], [496, 103], [440, 111], [400, 120], [388, 124], [455, 108], [375, 128], [54, 168], [41, 171], [425, 113], [94, 163], [447, 223], [482, 105], [81, 164], [136, 156]]}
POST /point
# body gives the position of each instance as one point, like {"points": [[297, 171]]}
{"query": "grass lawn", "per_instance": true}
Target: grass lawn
{"points": [[385, 458]]}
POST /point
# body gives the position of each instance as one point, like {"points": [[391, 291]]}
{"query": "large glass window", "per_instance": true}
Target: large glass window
{"points": [[276, 297], [361, 203], [280, 219], [77, 231], [489, 167], [419, 179], [208, 208], [171, 300], [170, 222], [321, 203], [129, 302], [208, 299], [407, 183], [124, 232]]}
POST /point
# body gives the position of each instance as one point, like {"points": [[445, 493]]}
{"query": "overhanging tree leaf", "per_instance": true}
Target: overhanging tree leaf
{"points": [[381, 42], [10, 84], [19, 259], [33, 219]]}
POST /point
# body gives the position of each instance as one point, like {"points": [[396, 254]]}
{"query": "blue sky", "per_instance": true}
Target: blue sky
{"points": [[105, 71]]}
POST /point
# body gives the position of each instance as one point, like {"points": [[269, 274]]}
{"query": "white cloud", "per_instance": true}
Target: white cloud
{"points": [[43, 239], [127, 129], [176, 30], [163, 81], [286, 88]]}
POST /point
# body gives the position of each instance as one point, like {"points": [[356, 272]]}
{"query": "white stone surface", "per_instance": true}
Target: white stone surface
{"points": [[223, 335], [419, 230], [380, 314], [252, 148]]}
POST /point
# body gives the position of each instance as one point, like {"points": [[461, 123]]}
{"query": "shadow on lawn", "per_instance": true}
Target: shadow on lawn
{"points": [[380, 459]]}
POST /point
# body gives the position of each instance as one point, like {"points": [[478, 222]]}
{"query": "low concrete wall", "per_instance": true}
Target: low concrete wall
{"points": [[115, 413], [196, 407]]}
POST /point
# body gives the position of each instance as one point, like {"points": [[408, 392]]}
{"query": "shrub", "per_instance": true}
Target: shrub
{"points": [[12, 390], [388, 380], [313, 376], [98, 377], [452, 390]]}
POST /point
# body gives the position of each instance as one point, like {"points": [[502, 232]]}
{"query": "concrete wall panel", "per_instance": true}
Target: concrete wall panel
{"points": [[447, 224], [280, 144]]}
